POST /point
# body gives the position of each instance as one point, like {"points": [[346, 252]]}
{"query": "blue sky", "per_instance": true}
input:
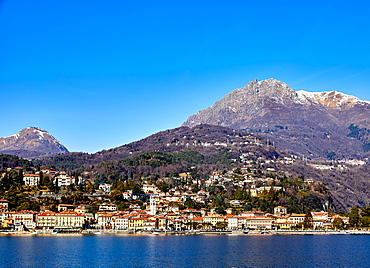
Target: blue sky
{"points": [[99, 74]]}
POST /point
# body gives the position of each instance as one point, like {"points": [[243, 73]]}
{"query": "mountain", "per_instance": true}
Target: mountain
{"points": [[205, 139], [31, 143], [205, 148], [316, 125]]}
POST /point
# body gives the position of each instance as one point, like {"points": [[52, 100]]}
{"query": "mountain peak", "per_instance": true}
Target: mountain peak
{"points": [[310, 123], [31, 142], [245, 103], [267, 89], [332, 99]]}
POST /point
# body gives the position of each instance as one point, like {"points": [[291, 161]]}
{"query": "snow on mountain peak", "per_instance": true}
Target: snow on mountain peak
{"points": [[32, 139], [332, 99]]}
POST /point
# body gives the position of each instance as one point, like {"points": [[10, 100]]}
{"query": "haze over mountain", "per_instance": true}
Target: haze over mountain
{"points": [[316, 125], [31, 143]]}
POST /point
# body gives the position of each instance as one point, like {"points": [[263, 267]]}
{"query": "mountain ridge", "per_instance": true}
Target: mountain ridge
{"points": [[219, 148], [313, 124]]}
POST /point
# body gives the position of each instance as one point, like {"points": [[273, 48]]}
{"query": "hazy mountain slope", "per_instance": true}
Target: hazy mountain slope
{"points": [[206, 139]]}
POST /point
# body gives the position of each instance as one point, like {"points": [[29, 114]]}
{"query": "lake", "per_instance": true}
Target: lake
{"points": [[186, 250]]}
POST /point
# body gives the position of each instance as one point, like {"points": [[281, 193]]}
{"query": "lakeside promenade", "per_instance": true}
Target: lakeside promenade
{"points": [[191, 232]]}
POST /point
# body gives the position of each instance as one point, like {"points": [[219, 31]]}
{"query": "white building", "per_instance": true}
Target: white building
{"points": [[108, 207], [31, 179], [233, 223], [121, 223], [280, 210], [63, 180], [105, 187], [149, 188]]}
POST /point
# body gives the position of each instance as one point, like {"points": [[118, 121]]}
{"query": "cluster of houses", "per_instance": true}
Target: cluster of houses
{"points": [[163, 210], [62, 179], [70, 217]]}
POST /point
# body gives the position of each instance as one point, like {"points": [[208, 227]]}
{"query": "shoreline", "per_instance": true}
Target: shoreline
{"points": [[191, 232]]}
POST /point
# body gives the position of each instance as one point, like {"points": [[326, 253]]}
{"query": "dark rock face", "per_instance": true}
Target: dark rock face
{"points": [[310, 124], [31, 143]]}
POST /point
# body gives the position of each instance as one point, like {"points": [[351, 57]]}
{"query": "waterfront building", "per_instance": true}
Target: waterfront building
{"points": [[233, 223], [161, 223], [136, 223], [69, 219], [121, 223], [106, 220], [66, 219], [24, 219], [4, 215], [153, 205], [297, 218], [46, 219], [261, 222], [344, 219], [214, 219], [252, 214]]}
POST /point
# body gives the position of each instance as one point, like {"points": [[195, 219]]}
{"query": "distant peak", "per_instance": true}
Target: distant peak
{"points": [[269, 88], [35, 128], [266, 81], [32, 139], [332, 99]]}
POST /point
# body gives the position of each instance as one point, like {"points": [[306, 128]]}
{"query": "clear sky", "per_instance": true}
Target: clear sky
{"points": [[100, 74]]}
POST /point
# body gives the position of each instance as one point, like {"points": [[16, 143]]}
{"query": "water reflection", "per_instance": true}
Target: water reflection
{"points": [[194, 251]]}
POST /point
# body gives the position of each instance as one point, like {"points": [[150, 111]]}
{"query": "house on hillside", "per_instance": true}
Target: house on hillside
{"points": [[63, 180], [31, 179], [149, 188], [105, 187], [280, 211], [107, 207], [65, 207], [4, 205]]}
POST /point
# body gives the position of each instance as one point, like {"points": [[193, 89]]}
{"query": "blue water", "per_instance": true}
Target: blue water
{"points": [[186, 251]]}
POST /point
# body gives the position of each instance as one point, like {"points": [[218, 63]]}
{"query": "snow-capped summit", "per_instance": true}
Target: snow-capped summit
{"points": [[31, 142], [332, 99]]}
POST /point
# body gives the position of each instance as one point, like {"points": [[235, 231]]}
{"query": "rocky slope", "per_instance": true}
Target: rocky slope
{"points": [[205, 139], [31, 143], [207, 148], [315, 125]]}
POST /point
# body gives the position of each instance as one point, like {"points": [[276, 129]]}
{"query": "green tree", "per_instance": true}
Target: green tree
{"points": [[365, 211], [220, 210], [189, 203], [338, 223], [116, 195], [308, 221], [163, 187], [41, 182], [239, 194], [354, 217], [365, 221], [221, 225]]}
